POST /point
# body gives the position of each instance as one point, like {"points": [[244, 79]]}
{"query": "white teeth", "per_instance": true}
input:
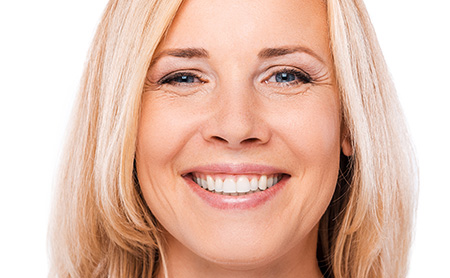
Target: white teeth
{"points": [[262, 184], [236, 185], [269, 182], [229, 186], [219, 185], [204, 184], [242, 185], [254, 184], [210, 182]]}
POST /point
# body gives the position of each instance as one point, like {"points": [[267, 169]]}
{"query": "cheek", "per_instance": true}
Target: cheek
{"points": [[312, 131], [313, 138], [162, 133], [160, 138], [322, 136], [165, 133]]}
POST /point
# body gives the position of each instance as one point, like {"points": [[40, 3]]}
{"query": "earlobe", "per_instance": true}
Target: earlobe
{"points": [[346, 144]]}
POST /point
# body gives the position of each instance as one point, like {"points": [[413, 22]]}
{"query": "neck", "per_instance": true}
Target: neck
{"points": [[299, 261]]}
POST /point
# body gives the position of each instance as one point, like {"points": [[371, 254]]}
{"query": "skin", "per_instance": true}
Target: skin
{"points": [[237, 112]]}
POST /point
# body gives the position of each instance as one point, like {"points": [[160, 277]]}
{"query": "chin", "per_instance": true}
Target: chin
{"points": [[241, 256]]}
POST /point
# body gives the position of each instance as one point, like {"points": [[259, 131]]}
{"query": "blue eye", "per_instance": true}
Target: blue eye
{"points": [[184, 79], [180, 78], [284, 77], [288, 77]]}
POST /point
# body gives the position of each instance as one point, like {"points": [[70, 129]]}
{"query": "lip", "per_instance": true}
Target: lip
{"points": [[244, 202], [235, 169]]}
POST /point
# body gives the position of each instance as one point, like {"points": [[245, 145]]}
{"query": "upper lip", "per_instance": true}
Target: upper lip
{"points": [[235, 169]]}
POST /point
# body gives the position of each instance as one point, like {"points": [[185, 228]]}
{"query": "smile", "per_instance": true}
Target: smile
{"points": [[235, 185]]}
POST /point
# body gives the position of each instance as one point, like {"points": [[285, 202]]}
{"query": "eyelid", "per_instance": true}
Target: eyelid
{"points": [[166, 78], [289, 69]]}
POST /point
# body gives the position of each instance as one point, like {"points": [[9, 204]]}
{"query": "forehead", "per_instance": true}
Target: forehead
{"points": [[249, 25]]}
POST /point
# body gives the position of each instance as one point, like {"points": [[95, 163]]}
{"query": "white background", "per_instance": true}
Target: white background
{"points": [[43, 45]]}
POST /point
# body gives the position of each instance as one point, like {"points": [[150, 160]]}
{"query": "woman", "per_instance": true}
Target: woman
{"points": [[235, 139]]}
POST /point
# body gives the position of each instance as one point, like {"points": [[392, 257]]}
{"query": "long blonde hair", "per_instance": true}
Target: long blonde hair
{"points": [[101, 225]]}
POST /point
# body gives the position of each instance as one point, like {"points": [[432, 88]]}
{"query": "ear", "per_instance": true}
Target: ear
{"points": [[346, 144]]}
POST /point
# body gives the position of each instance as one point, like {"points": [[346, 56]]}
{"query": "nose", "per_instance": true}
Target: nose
{"points": [[237, 119]]}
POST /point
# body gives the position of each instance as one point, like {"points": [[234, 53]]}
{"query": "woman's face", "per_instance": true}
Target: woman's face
{"points": [[241, 94]]}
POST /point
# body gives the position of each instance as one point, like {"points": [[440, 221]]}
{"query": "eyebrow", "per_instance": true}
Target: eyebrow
{"points": [[267, 53], [183, 53]]}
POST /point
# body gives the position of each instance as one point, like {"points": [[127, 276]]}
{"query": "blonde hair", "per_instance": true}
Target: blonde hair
{"points": [[101, 225]]}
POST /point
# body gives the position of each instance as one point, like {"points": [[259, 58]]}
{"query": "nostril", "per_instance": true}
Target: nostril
{"points": [[250, 140], [245, 141], [218, 138]]}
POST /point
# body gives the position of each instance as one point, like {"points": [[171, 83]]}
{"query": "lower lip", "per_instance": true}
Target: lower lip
{"points": [[248, 201]]}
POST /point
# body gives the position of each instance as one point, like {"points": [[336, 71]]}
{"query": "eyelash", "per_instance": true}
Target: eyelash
{"points": [[170, 78], [302, 77]]}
